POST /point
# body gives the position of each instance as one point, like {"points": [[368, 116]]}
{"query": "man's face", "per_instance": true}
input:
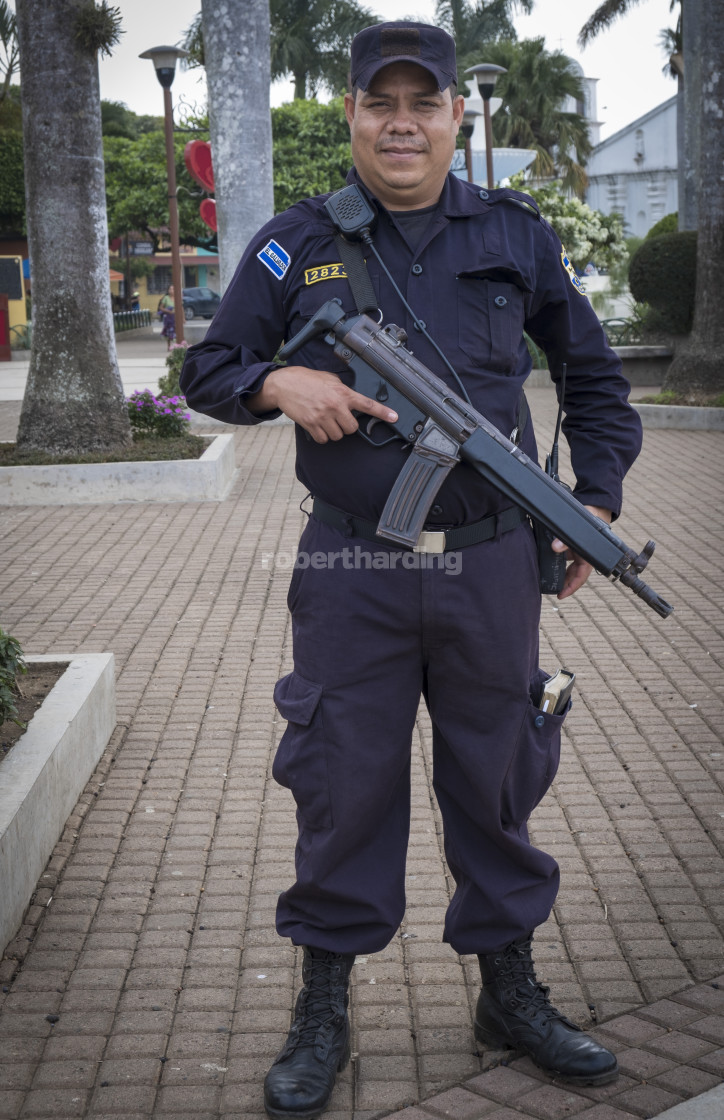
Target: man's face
{"points": [[403, 133]]}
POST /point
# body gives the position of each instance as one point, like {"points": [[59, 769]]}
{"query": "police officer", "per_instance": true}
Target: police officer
{"points": [[376, 626]]}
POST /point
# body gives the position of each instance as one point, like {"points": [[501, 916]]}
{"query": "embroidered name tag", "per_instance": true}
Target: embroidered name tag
{"points": [[323, 272], [574, 279], [275, 258]]}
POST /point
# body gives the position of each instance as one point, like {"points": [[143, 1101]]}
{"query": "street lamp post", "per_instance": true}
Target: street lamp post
{"points": [[467, 130], [164, 59], [486, 74]]}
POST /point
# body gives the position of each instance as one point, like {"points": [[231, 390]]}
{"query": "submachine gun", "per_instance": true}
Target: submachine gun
{"points": [[442, 429]]}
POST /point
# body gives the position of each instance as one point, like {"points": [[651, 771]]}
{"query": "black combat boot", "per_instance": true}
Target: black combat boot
{"points": [[514, 1012], [300, 1082]]}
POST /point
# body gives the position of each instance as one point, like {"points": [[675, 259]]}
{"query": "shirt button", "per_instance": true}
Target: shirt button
{"points": [[417, 270], [437, 510], [483, 195], [539, 721], [500, 301]]}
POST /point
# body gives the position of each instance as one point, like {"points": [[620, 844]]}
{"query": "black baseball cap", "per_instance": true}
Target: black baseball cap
{"points": [[403, 41]]}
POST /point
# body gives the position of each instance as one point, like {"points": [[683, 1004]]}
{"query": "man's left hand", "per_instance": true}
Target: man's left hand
{"points": [[578, 570]]}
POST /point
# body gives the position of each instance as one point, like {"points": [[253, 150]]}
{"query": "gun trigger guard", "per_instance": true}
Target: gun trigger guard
{"points": [[367, 426]]}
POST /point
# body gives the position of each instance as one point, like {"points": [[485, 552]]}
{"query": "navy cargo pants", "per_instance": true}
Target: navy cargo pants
{"points": [[375, 628]]}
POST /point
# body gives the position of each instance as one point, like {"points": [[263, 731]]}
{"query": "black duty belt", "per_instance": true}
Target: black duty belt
{"points": [[431, 540]]}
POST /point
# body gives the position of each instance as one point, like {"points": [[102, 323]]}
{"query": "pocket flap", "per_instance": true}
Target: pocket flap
{"points": [[297, 698]]}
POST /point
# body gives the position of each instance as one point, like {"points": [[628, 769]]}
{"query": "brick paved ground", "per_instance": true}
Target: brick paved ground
{"points": [[147, 979]]}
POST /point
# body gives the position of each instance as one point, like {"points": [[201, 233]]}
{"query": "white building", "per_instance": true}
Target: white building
{"points": [[588, 108], [634, 172]]}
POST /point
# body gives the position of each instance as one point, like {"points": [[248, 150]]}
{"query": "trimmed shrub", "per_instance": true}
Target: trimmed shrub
{"points": [[662, 274], [668, 224]]}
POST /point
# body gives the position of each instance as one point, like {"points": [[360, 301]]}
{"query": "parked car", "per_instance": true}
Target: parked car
{"points": [[200, 301]]}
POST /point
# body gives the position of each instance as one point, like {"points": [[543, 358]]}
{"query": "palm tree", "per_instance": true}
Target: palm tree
{"points": [[606, 14], [9, 44], [309, 40], [236, 41], [474, 25], [533, 91], [74, 399]]}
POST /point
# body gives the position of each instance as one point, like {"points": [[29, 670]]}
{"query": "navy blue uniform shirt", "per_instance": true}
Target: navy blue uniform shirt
{"points": [[486, 269]]}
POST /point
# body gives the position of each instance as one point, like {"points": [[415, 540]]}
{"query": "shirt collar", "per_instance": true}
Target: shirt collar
{"points": [[458, 199]]}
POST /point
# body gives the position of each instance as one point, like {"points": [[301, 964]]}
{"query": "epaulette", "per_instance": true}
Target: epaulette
{"points": [[518, 198]]}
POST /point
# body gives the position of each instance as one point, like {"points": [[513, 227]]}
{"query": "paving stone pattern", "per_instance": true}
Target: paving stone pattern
{"points": [[147, 978]]}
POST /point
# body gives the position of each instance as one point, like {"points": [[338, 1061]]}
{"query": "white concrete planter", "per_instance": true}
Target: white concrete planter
{"points": [[176, 480], [684, 417], [46, 771]]}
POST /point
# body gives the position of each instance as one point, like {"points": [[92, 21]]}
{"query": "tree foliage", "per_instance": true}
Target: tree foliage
{"points": [[309, 42], [9, 54], [118, 120], [609, 11], [98, 28], [12, 184], [475, 25], [137, 191], [587, 234], [533, 92], [311, 150]]}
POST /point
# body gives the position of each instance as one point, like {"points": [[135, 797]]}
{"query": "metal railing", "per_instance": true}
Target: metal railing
{"points": [[622, 332], [131, 320], [21, 337]]}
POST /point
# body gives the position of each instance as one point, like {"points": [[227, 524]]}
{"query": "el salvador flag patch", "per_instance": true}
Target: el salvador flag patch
{"points": [[276, 259]]}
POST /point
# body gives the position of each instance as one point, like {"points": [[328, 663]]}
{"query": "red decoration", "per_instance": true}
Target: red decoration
{"points": [[197, 157], [207, 210]]}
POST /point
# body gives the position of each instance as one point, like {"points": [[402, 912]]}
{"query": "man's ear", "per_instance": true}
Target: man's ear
{"points": [[458, 109], [349, 107]]}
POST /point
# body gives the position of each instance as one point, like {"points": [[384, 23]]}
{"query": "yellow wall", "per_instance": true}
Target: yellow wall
{"points": [[16, 307]]}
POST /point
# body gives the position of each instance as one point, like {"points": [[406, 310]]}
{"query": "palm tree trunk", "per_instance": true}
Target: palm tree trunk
{"points": [[300, 84], [74, 399], [688, 107], [698, 367], [238, 72]]}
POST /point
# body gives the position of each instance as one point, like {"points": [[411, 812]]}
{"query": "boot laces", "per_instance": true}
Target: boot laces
{"points": [[321, 1002], [527, 991]]}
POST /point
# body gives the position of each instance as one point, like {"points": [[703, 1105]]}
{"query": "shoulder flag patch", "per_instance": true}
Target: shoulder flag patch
{"points": [[572, 276], [276, 259]]}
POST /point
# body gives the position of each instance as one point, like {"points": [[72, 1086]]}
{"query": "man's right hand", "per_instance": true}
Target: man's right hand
{"points": [[319, 402]]}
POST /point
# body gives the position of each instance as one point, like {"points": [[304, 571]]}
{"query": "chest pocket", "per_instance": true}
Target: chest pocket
{"points": [[491, 314]]}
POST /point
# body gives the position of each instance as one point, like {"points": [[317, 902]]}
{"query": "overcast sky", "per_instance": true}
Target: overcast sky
{"points": [[627, 60]]}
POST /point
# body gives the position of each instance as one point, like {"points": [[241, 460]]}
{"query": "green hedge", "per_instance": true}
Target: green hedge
{"points": [[662, 274], [668, 224]]}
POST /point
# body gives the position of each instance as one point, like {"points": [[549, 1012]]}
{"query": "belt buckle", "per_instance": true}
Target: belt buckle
{"points": [[430, 540]]}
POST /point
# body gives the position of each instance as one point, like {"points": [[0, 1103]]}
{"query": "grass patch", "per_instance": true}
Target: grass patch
{"points": [[668, 396], [144, 449]]}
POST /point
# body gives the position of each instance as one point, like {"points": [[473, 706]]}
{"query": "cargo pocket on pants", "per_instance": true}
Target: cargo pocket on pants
{"points": [[535, 761], [300, 763]]}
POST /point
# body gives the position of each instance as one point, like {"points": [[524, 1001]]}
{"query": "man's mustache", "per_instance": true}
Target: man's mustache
{"points": [[397, 147]]}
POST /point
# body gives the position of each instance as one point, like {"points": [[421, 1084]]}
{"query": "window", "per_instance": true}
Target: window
{"points": [[160, 280]]}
